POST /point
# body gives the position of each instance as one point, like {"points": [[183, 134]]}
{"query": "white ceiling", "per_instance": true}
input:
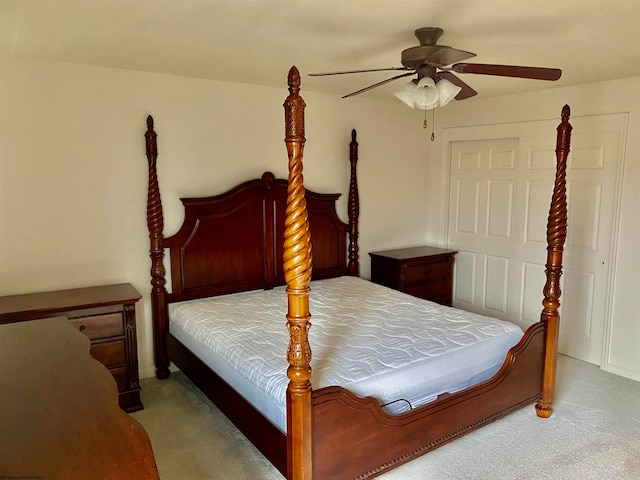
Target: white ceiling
{"points": [[256, 41]]}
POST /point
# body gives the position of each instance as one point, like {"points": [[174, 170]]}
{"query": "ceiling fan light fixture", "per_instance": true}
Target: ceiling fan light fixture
{"points": [[429, 60], [447, 91], [406, 94], [426, 95]]}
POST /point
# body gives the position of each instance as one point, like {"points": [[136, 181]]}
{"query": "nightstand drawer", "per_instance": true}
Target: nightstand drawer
{"points": [[100, 326], [426, 271], [109, 353], [435, 291]]}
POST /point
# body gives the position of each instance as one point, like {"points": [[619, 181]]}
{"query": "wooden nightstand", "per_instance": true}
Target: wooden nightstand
{"points": [[105, 314], [425, 272]]}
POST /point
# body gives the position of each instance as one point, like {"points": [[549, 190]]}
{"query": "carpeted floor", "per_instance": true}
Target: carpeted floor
{"points": [[593, 434]]}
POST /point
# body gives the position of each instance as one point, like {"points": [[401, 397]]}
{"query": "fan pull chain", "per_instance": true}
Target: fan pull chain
{"points": [[433, 121]]}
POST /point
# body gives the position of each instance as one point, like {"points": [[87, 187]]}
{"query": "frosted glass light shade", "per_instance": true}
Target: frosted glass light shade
{"points": [[426, 94], [447, 90], [405, 94]]}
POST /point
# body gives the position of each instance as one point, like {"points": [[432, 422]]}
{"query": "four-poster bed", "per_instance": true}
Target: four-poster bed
{"points": [[233, 243]]}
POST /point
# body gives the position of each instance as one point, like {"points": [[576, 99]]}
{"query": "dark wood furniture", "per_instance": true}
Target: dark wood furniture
{"points": [[425, 272], [59, 410], [234, 242], [105, 314]]}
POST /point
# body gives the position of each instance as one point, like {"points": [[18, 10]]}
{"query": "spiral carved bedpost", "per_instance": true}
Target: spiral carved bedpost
{"points": [[155, 225], [556, 235], [354, 208], [297, 272]]}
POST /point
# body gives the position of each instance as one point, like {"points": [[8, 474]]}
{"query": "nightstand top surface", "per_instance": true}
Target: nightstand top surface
{"points": [[413, 252]]}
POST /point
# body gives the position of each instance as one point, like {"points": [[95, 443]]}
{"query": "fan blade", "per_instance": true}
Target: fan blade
{"points": [[448, 55], [359, 71], [536, 73], [362, 90], [466, 91]]}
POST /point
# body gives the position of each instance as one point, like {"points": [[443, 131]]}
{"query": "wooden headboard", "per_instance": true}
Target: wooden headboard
{"points": [[233, 241]]}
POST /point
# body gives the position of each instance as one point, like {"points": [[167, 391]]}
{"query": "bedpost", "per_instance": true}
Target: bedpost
{"points": [[297, 272], [556, 235], [354, 208], [155, 225]]}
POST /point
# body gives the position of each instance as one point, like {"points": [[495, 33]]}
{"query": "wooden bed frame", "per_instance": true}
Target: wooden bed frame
{"points": [[234, 242]]}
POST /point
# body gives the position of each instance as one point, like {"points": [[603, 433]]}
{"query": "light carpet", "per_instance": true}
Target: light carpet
{"points": [[594, 433]]}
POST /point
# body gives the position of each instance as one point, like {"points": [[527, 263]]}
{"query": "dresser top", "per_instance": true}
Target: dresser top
{"points": [[412, 252], [64, 299]]}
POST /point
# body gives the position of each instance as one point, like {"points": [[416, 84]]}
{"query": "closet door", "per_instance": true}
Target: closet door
{"points": [[591, 189], [499, 196]]}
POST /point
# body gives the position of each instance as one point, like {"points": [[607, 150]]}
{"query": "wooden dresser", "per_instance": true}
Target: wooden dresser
{"points": [[105, 314], [59, 411], [425, 272]]}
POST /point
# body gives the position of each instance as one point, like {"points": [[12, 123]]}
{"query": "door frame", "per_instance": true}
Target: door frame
{"points": [[543, 127]]}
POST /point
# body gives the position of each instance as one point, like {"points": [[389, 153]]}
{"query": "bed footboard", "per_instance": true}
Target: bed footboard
{"points": [[354, 438]]}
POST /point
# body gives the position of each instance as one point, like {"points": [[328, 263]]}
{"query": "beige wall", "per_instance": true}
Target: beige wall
{"points": [[620, 96], [73, 170]]}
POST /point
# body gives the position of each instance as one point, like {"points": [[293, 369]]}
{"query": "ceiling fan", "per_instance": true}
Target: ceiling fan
{"points": [[430, 60]]}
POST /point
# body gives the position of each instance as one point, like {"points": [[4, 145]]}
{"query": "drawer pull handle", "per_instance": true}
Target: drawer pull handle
{"points": [[82, 328]]}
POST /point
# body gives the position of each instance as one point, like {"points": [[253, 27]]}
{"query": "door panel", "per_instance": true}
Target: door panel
{"points": [[465, 287], [496, 282], [530, 301]]}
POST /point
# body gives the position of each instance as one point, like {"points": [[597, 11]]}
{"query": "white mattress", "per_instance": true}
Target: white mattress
{"points": [[373, 340]]}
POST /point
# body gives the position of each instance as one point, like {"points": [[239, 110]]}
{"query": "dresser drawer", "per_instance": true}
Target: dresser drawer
{"points": [[100, 326], [109, 353], [426, 271]]}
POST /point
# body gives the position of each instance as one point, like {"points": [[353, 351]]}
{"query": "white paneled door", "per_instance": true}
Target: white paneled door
{"points": [[499, 196], [483, 180]]}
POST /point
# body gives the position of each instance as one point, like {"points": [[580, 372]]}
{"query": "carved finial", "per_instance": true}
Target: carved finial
{"points": [[294, 80], [294, 108], [353, 134], [564, 130], [150, 136], [267, 180]]}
